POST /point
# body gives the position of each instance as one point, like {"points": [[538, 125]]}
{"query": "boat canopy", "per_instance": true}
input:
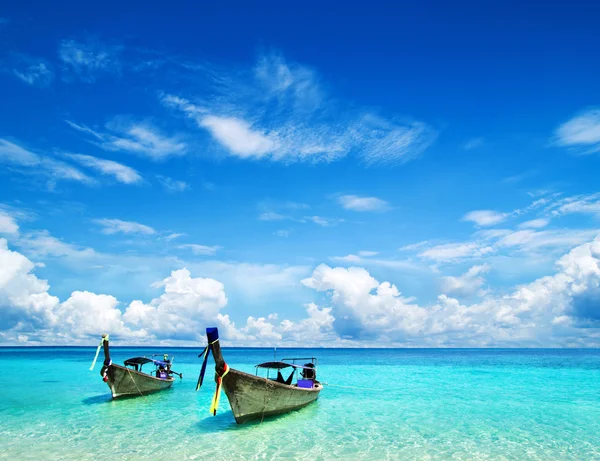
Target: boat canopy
{"points": [[278, 365], [144, 360]]}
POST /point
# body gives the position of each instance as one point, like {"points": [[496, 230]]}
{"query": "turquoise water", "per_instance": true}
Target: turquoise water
{"points": [[432, 405]]}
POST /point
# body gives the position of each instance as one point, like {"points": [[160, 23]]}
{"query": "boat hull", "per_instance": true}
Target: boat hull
{"points": [[124, 382], [252, 397]]}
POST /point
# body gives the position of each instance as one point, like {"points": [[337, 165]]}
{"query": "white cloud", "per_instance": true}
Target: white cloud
{"points": [[271, 216], [239, 137], [8, 224], [473, 143], [584, 204], [324, 222], [382, 141], [283, 232], [114, 226], [35, 74], [485, 217], [466, 284], [173, 236], [200, 249], [356, 203], [31, 163], [531, 240], [552, 310], [137, 137], [367, 254], [278, 111], [173, 185], [87, 60], [534, 224], [120, 172], [582, 131], [143, 139], [183, 310], [456, 251], [42, 244]]}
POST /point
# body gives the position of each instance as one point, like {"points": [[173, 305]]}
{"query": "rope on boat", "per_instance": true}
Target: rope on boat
{"points": [[268, 386], [104, 338], [134, 383]]}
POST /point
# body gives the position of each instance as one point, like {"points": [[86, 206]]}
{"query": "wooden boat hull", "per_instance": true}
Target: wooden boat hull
{"points": [[252, 397], [124, 382]]}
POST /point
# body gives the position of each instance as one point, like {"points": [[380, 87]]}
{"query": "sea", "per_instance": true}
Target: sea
{"points": [[377, 404]]}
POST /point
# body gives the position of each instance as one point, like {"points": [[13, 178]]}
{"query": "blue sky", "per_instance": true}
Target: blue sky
{"points": [[374, 175]]}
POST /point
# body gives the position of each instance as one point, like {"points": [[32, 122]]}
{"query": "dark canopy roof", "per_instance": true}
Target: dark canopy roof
{"points": [[278, 365], [143, 361]]}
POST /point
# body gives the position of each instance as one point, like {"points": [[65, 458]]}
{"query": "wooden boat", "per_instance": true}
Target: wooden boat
{"points": [[129, 380], [255, 397]]}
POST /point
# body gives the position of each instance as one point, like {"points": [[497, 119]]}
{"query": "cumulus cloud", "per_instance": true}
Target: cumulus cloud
{"points": [[466, 284], [8, 225], [184, 309], [557, 310], [552, 310]]}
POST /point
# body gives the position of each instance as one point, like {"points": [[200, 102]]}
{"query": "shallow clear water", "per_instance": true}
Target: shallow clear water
{"points": [[428, 405]]}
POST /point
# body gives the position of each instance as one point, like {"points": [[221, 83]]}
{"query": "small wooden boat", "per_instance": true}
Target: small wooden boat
{"points": [[130, 380], [255, 397]]}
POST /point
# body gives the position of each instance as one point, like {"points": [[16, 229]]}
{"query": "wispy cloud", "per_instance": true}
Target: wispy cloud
{"points": [[272, 216], [485, 218], [173, 236], [29, 162], [356, 203], [324, 222], [283, 232], [38, 74], [86, 60], [141, 138], [279, 111], [456, 251], [120, 172], [534, 224], [582, 132], [172, 185], [473, 143], [202, 250], [115, 226]]}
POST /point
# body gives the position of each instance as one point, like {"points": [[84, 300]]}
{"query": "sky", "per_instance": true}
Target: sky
{"points": [[415, 174]]}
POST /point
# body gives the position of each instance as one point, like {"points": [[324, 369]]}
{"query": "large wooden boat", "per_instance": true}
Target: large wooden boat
{"points": [[255, 397], [129, 380]]}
